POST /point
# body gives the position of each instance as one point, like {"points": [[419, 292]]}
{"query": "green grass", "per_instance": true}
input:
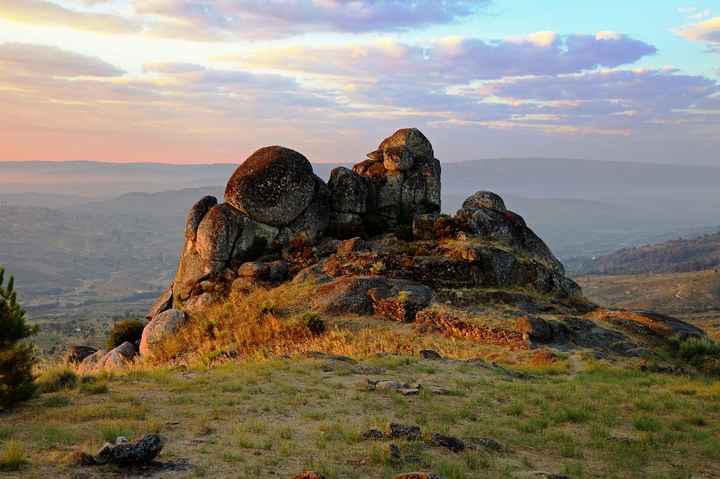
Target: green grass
{"points": [[286, 415], [57, 379]]}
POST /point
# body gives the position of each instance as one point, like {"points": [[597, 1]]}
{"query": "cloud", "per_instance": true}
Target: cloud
{"points": [[40, 12], [455, 59], [36, 60], [276, 18], [707, 31]]}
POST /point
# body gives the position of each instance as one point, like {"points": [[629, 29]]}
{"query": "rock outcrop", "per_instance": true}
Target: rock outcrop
{"points": [[373, 242]]}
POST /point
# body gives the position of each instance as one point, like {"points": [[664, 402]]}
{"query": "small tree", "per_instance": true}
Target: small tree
{"points": [[127, 330], [16, 358]]}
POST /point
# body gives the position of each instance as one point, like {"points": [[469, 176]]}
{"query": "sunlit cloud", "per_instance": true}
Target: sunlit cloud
{"points": [[40, 12], [707, 31]]}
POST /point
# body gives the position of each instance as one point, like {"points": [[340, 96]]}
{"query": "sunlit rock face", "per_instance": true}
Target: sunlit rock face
{"points": [[280, 222]]}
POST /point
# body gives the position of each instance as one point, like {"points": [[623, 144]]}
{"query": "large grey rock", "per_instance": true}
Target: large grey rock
{"points": [[124, 453], [345, 225], [484, 199], [403, 179], [76, 354], [312, 223], [196, 215], [413, 140], [348, 191], [216, 236], [273, 186], [506, 227], [347, 295], [94, 360], [398, 158], [163, 326], [192, 269], [119, 357], [421, 188], [254, 239]]}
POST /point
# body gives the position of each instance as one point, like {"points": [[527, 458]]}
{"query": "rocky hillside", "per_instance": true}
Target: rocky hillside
{"points": [[288, 263], [677, 256]]}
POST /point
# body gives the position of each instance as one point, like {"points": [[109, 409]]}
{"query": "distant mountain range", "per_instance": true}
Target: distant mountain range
{"points": [[523, 177], [84, 231]]}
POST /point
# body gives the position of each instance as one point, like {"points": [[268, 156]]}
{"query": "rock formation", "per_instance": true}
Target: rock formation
{"points": [[373, 241]]}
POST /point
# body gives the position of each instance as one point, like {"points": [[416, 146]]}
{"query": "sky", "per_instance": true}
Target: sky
{"points": [[210, 81]]}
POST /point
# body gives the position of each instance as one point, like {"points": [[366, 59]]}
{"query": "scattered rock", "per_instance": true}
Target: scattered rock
{"points": [[448, 442], [389, 385], [394, 453], [486, 443], [76, 354], [309, 475], [409, 391], [438, 390], [141, 452], [119, 357], [430, 355], [402, 301], [401, 431], [163, 326], [536, 329], [417, 475], [373, 435], [347, 295]]}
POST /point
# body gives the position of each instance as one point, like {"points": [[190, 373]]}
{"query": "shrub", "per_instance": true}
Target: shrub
{"points": [[16, 358], [703, 353], [127, 330], [57, 379], [12, 456], [314, 323]]}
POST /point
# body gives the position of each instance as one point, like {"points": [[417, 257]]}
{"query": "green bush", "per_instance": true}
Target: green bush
{"points": [[314, 323], [703, 353], [126, 330], [57, 379], [16, 357]]}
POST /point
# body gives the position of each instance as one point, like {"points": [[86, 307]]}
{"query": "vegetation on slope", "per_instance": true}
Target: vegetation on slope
{"points": [[693, 297], [682, 255]]}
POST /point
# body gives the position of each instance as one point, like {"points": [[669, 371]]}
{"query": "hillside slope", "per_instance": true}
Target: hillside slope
{"points": [[681, 255]]}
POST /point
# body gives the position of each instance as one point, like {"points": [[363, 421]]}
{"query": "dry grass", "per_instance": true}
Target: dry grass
{"points": [[274, 418], [269, 323]]}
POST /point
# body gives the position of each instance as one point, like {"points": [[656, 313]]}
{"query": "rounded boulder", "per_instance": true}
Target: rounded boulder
{"points": [[164, 325], [484, 199], [274, 186], [411, 138]]}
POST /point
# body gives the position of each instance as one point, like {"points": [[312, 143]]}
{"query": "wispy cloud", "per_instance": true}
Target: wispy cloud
{"points": [[707, 31], [276, 18], [40, 12]]}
